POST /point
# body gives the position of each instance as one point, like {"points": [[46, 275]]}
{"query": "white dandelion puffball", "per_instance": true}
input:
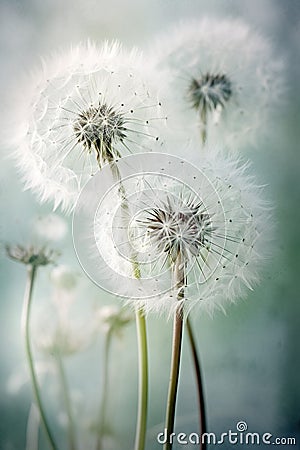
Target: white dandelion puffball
{"points": [[211, 218], [84, 108], [221, 77]]}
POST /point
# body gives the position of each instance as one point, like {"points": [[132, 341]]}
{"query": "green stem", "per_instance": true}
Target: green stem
{"points": [[31, 275], [140, 436], [103, 406], [141, 427], [32, 429], [203, 118], [178, 272], [201, 399], [67, 401]]}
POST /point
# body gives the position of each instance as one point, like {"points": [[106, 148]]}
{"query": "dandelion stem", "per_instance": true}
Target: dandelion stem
{"points": [[199, 381], [32, 429], [103, 406], [67, 401], [178, 272], [203, 118], [141, 426], [31, 275]]}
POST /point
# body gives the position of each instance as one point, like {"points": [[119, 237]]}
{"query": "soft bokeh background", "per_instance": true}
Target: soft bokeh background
{"points": [[250, 357]]}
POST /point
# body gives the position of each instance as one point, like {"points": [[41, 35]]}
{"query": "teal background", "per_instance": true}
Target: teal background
{"points": [[250, 356]]}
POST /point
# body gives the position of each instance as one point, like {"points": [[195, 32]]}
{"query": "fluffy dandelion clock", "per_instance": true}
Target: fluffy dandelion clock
{"points": [[84, 108], [51, 227], [197, 233], [221, 77]]}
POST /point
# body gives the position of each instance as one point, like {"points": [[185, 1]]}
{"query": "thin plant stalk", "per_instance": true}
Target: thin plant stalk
{"points": [[141, 427], [103, 406], [32, 429], [178, 272], [203, 119], [201, 399], [31, 276], [67, 401]]}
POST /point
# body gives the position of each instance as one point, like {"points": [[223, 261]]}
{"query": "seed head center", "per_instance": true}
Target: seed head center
{"points": [[100, 127], [209, 92]]}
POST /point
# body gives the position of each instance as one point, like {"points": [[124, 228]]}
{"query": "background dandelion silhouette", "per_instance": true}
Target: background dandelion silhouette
{"points": [[250, 357]]}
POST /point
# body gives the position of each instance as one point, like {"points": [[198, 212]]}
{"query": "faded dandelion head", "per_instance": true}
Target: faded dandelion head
{"points": [[85, 108], [222, 78], [50, 227], [113, 319], [217, 235], [64, 277], [61, 328], [31, 255], [61, 340]]}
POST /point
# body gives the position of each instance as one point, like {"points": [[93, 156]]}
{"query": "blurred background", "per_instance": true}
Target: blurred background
{"points": [[250, 356]]}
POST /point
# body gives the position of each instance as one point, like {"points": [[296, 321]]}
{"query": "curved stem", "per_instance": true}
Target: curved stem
{"points": [[140, 436], [196, 360], [31, 274], [67, 401], [102, 416], [178, 273]]}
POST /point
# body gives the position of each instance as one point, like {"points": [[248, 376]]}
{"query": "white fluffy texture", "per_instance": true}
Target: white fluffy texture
{"points": [[51, 227], [64, 277], [52, 162], [220, 47], [242, 223]]}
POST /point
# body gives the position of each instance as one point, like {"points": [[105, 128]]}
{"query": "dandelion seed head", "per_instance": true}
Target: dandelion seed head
{"points": [[177, 228], [113, 318], [50, 227], [209, 92], [31, 255], [62, 340], [101, 127], [222, 75], [211, 218], [64, 277], [83, 108]]}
